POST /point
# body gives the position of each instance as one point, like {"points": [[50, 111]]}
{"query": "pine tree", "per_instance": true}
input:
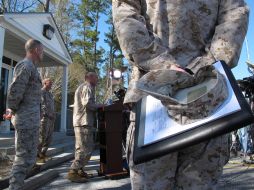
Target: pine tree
{"points": [[115, 58]]}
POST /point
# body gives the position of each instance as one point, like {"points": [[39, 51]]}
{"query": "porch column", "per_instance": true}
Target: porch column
{"points": [[64, 99], [2, 33], [4, 125]]}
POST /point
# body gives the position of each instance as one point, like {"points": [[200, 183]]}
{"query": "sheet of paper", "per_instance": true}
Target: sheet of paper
{"points": [[158, 125]]}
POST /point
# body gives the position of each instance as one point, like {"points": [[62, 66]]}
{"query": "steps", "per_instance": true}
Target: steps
{"points": [[6, 139], [60, 150], [39, 180], [60, 143]]}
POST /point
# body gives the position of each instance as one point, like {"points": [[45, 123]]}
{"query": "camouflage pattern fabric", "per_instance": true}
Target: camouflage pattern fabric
{"points": [[183, 170], [207, 91], [84, 106], [45, 134], [47, 121], [84, 146], [155, 34], [47, 104], [24, 97], [83, 122], [26, 142]]}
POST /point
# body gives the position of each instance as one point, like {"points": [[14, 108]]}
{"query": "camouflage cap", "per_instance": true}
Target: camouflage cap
{"points": [[188, 98]]}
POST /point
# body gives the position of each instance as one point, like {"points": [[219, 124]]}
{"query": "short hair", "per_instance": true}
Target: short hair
{"points": [[32, 44], [88, 74], [46, 80]]}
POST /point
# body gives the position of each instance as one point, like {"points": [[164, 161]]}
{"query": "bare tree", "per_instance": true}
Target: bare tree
{"points": [[17, 5], [45, 4]]}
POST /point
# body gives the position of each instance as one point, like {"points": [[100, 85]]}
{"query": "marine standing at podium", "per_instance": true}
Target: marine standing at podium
{"points": [[24, 98], [84, 126], [47, 119], [173, 34]]}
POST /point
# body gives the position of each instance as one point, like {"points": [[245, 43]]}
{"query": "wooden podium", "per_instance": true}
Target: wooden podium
{"points": [[110, 135]]}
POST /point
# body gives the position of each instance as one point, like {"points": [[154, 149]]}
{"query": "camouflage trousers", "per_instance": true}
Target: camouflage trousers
{"points": [[45, 135], [84, 146], [195, 168], [26, 142]]}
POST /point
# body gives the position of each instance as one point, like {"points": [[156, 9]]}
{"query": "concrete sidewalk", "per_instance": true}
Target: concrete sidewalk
{"points": [[237, 176], [96, 183]]}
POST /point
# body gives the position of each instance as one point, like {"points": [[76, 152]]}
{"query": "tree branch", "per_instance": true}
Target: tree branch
{"points": [[15, 5], [27, 7], [41, 3]]}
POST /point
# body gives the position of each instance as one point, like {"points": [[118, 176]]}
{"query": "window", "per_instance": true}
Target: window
{"points": [[14, 63], [6, 60]]}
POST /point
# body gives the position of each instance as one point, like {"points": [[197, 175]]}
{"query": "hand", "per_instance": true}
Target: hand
{"points": [[8, 114], [177, 68]]}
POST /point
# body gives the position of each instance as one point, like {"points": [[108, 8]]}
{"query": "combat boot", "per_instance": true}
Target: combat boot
{"points": [[78, 176], [46, 158], [41, 158]]}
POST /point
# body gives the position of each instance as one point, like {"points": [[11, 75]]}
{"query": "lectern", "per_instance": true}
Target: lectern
{"points": [[110, 135]]}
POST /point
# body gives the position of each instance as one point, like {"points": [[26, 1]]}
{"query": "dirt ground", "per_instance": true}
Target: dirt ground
{"points": [[5, 166]]}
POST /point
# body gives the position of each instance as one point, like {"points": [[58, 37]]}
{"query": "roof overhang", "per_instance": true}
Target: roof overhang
{"points": [[18, 32]]}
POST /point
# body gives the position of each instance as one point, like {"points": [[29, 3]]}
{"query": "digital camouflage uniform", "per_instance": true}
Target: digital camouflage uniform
{"points": [[47, 121], [155, 34], [83, 123], [24, 99], [203, 96]]}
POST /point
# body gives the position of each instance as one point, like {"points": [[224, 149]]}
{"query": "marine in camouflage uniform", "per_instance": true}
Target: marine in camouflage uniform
{"points": [[47, 120], [24, 97], [168, 34], [84, 127]]}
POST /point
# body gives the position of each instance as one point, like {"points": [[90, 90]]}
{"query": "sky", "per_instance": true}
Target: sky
{"points": [[241, 70]]}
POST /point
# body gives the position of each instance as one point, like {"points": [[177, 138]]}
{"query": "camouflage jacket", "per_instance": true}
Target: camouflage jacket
{"points": [[24, 95], [47, 104], [84, 106], [154, 34]]}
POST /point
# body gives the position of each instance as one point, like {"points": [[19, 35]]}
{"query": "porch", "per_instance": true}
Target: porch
{"points": [[15, 30]]}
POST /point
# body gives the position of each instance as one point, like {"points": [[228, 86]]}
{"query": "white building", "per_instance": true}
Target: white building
{"points": [[15, 29]]}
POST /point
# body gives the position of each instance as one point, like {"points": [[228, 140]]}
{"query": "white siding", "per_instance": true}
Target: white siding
{"points": [[32, 24]]}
